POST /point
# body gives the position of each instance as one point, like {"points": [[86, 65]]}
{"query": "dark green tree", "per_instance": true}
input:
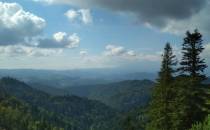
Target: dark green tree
{"points": [[189, 104], [167, 67], [192, 64], [159, 111]]}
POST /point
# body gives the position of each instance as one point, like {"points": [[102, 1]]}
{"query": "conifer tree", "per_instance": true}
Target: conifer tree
{"points": [[167, 66], [189, 102], [192, 64], [159, 111]]}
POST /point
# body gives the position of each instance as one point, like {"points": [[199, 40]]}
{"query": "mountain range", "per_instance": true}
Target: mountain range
{"points": [[72, 78]]}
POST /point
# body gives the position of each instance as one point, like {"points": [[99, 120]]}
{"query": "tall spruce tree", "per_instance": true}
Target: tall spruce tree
{"points": [[189, 102], [167, 66], [192, 64], [159, 112]]}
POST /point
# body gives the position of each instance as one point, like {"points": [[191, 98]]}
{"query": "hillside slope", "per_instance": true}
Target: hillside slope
{"points": [[68, 112], [123, 95]]}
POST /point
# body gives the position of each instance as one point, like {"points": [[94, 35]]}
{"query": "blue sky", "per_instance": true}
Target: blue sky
{"points": [[74, 34]]}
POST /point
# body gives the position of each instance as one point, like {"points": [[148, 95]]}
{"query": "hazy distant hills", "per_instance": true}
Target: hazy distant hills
{"points": [[114, 88], [69, 78]]}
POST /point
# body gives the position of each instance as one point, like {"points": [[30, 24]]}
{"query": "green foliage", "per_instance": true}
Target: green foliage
{"points": [[190, 101], [202, 126], [192, 63], [167, 67], [178, 102], [135, 119], [25, 108], [160, 106], [125, 95], [14, 115], [189, 105]]}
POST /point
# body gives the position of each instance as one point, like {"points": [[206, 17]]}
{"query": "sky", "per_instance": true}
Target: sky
{"points": [[80, 34]]}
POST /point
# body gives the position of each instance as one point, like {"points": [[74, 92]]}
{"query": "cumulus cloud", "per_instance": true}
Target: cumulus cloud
{"points": [[18, 28], [112, 50], [168, 15], [121, 52], [59, 36], [71, 14], [19, 50], [21, 34], [59, 40], [18, 25], [82, 15]]}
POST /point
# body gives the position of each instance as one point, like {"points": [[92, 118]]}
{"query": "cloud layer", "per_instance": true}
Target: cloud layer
{"points": [[121, 52], [19, 50], [156, 12], [17, 25], [167, 15], [21, 34], [112, 50]]}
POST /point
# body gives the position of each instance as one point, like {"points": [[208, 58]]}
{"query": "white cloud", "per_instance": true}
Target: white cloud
{"points": [[123, 53], [59, 36], [19, 50], [112, 50], [74, 41], [86, 16], [21, 34], [72, 14], [131, 53], [83, 15], [17, 25], [59, 40]]}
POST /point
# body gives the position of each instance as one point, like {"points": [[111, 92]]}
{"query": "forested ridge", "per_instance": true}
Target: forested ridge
{"points": [[23, 108], [123, 96]]}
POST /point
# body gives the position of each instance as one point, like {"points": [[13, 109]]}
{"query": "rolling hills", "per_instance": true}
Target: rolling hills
{"points": [[61, 112], [124, 95]]}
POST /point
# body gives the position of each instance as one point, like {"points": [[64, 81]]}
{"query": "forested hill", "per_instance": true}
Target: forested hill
{"points": [[124, 96], [22, 107]]}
